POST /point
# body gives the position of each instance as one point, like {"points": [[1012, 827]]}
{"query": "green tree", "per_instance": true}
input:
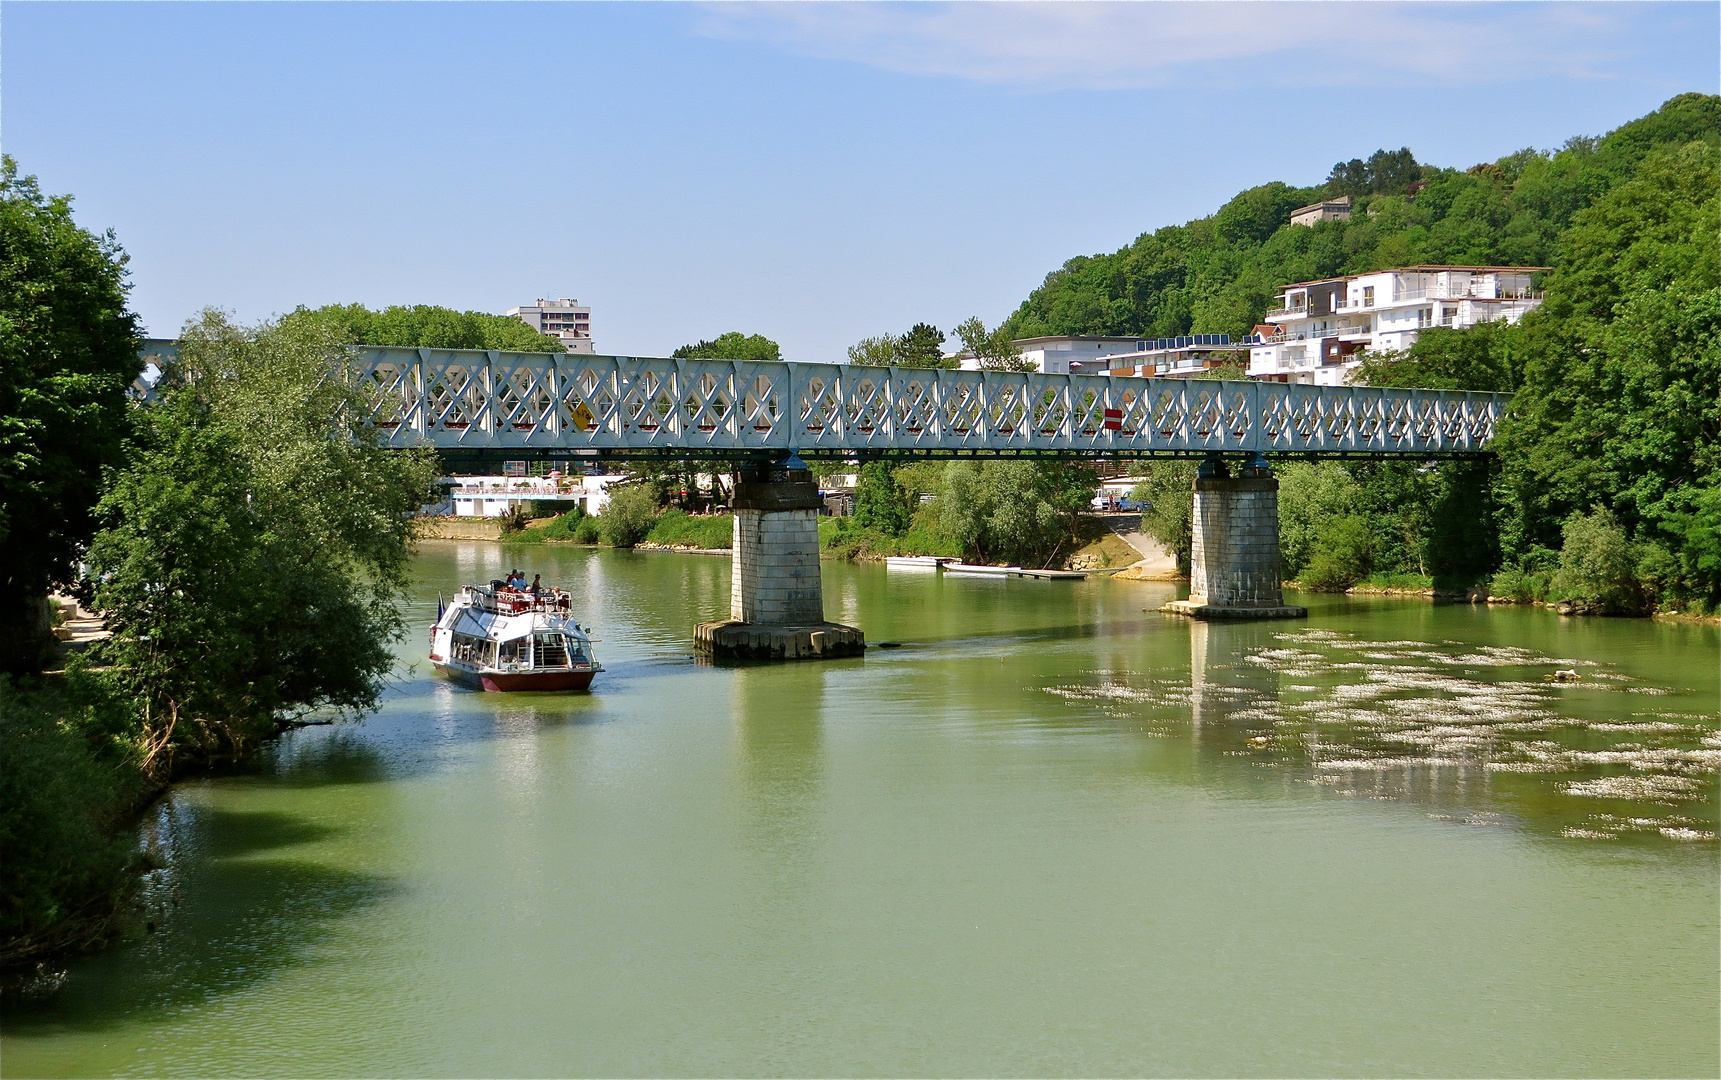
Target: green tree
{"points": [[1343, 554], [423, 326], [1019, 512], [257, 543], [1598, 564], [63, 804], [876, 351], [992, 348], [921, 347], [68, 350], [880, 503], [731, 346], [630, 515], [1310, 494]]}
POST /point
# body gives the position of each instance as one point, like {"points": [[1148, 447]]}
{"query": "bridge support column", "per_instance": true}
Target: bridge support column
{"points": [[776, 600], [1234, 557]]}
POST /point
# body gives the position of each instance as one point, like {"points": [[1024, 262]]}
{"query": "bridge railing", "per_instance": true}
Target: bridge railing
{"points": [[504, 400]]}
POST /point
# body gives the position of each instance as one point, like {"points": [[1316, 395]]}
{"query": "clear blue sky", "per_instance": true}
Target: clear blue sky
{"points": [[813, 172]]}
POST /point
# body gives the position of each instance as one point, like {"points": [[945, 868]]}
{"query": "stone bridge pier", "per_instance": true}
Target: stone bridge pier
{"points": [[776, 598], [1234, 568]]}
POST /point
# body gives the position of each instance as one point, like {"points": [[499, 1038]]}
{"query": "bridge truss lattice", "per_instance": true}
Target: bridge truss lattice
{"points": [[489, 404]]}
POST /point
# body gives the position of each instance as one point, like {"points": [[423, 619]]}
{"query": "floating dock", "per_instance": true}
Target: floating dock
{"points": [[945, 565]]}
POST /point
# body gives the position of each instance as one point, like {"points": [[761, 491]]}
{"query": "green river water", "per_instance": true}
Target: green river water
{"points": [[1053, 834]]}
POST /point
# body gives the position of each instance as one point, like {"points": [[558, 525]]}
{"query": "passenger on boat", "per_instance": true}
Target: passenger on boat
{"points": [[537, 588]]}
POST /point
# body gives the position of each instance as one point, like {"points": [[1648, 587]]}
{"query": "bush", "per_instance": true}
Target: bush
{"points": [[586, 531], [677, 528], [844, 539], [1598, 565], [630, 515], [514, 521], [1344, 554], [573, 527], [63, 800], [1520, 586]]}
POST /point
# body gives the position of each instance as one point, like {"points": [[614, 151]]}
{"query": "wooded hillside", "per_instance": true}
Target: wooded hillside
{"points": [[1606, 487]]}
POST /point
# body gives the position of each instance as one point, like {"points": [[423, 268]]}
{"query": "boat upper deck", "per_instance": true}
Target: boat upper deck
{"points": [[497, 599]]}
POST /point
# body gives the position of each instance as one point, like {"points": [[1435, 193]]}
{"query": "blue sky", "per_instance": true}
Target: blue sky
{"points": [[813, 172]]}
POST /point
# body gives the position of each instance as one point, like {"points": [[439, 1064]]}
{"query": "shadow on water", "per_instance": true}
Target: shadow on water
{"points": [[230, 835], [216, 921]]}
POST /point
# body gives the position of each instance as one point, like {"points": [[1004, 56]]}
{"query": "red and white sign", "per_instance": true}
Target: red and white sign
{"points": [[1114, 420]]}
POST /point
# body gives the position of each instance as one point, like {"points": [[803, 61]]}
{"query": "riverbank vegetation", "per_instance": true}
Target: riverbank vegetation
{"points": [[1019, 512], [1606, 488], [248, 556], [636, 520]]}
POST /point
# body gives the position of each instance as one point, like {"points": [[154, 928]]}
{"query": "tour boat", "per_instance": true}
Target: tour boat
{"points": [[491, 637]]}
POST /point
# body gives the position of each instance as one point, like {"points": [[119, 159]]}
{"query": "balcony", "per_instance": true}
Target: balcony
{"points": [[1471, 292]]}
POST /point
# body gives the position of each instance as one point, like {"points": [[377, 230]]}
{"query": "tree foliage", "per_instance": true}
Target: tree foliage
{"points": [[880, 503], [1218, 274], [68, 350], [64, 796], [629, 515], [422, 326], [1386, 172], [921, 347], [1616, 376], [993, 348], [731, 346], [256, 544], [1018, 512]]}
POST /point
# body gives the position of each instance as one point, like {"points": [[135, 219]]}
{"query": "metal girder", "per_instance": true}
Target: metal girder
{"points": [[486, 405], [468, 402]]}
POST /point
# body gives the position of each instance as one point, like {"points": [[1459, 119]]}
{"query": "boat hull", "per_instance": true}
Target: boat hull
{"points": [[510, 682]]}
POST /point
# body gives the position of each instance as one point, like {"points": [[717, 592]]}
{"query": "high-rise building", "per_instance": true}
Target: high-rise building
{"points": [[565, 319]]}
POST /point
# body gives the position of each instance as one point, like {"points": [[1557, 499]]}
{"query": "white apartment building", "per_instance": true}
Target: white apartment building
{"points": [[1320, 328], [1179, 357], [566, 319], [1062, 355], [498, 496]]}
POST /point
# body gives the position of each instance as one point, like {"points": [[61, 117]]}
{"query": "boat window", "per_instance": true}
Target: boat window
{"points": [[517, 651], [552, 651], [465, 648]]}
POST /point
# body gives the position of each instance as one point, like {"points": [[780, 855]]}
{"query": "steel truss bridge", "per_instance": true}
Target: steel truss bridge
{"points": [[472, 404]]}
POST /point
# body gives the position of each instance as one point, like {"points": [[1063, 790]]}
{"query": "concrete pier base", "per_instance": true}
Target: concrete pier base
{"points": [[1234, 557], [735, 640], [776, 598]]}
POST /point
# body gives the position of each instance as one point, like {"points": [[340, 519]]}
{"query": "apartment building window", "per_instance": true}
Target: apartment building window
{"points": [[1368, 296], [1424, 317]]}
